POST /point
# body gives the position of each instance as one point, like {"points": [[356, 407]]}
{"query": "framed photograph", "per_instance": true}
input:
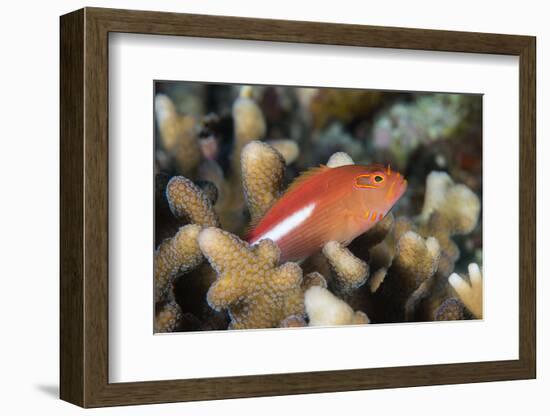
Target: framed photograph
{"points": [[257, 207]]}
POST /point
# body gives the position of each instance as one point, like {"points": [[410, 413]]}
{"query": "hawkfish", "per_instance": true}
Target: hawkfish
{"points": [[328, 204]]}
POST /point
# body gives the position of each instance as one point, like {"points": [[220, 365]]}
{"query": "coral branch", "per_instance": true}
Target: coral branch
{"points": [[456, 203], [249, 125], [188, 201], [450, 310], [471, 294], [257, 292], [293, 322], [177, 135], [169, 318], [351, 272], [262, 171], [288, 149], [404, 284], [323, 308], [175, 255], [313, 279]]}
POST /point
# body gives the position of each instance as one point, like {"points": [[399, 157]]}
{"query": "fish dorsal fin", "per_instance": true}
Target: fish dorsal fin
{"points": [[304, 176]]}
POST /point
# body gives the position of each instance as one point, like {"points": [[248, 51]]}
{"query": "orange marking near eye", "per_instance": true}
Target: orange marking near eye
{"points": [[380, 217], [389, 170], [373, 217], [363, 185]]}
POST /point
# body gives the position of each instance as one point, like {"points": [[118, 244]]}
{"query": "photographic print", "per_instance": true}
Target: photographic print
{"points": [[289, 207]]}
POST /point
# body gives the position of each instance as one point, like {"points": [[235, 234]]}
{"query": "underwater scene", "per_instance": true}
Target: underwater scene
{"points": [[285, 207]]}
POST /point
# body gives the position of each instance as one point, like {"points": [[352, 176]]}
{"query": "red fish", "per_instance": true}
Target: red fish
{"points": [[326, 204]]}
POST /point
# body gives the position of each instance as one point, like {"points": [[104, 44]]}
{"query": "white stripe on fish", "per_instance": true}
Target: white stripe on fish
{"points": [[286, 226]]}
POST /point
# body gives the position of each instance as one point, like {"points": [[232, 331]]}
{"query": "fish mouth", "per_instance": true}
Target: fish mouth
{"points": [[396, 189], [404, 184]]}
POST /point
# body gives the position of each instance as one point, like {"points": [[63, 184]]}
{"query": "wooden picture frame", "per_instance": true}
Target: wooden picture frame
{"points": [[84, 207]]}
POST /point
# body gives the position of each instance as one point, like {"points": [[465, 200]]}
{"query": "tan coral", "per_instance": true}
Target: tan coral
{"points": [[325, 309], [187, 201], [416, 256], [449, 209], [405, 282], [175, 255], [257, 292], [263, 173], [313, 279], [178, 135], [461, 208], [249, 124], [293, 322], [377, 278], [169, 318], [450, 310], [437, 185], [288, 149], [351, 272], [459, 205], [209, 189], [471, 294]]}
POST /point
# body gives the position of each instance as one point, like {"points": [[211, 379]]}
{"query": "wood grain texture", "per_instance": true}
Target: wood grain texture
{"points": [[84, 206], [527, 208], [72, 368]]}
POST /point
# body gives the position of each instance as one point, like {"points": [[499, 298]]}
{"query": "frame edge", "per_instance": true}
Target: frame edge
{"points": [[528, 208], [84, 355], [71, 318]]}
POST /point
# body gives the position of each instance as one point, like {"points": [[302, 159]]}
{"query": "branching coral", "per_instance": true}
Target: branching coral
{"points": [[263, 169], [288, 149], [457, 203], [177, 135], [188, 201], [450, 310], [257, 292], [175, 255], [293, 322], [181, 253], [313, 279], [417, 294], [323, 308], [249, 125], [397, 271], [450, 209], [471, 294], [169, 318], [351, 272], [403, 285]]}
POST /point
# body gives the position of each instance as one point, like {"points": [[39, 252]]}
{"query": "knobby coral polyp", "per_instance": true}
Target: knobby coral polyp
{"points": [[401, 269], [256, 290]]}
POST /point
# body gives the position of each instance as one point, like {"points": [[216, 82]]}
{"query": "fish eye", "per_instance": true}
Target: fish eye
{"points": [[368, 180]]}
